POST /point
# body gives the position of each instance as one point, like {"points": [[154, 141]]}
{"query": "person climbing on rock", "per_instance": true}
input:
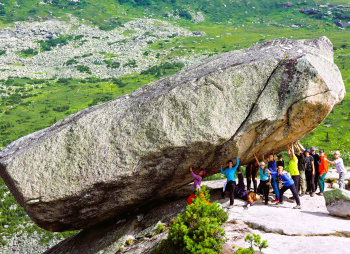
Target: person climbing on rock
{"points": [[197, 182], [230, 172], [288, 183], [322, 170], [265, 180], [292, 167], [251, 174], [272, 168], [339, 165]]}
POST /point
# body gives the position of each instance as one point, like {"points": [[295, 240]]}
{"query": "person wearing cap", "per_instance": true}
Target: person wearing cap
{"points": [[322, 169], [316, 163], [231, 180], [272, 168], [292, 167], [197, 182], [288, 183], [339, 165], [265, 180], [301, 167]]}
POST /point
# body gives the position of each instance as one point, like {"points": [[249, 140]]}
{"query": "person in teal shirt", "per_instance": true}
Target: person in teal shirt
{"points": [[230, 172], [265, 180]]}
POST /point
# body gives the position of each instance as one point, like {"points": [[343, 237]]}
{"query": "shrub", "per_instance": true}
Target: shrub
{"points": [[71, 62], [160, 228], [82, 68], [254, 240], [131, 63], [197, 230]]}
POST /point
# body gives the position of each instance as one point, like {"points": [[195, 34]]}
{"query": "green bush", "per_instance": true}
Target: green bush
{"points": [[82, 68], [197, 230], [253, 240]]}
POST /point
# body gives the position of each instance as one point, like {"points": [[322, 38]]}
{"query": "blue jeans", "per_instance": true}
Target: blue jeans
{"points": [[275, 187]]}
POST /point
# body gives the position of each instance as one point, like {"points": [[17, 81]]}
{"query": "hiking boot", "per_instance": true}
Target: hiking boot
{"points": [[302, 195], [275, 201], [312, 194], [280, 203], [320, 193], [297, 207], [292, 198], [307, 193]]}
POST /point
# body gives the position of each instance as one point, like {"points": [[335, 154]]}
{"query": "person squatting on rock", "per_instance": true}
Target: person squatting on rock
{"points": [[251, 174], [288, 183], [265, 180], [292, 167], [322, 170], [230, 172], [339, 165], [316, 157], [301, 167], [197, 182], [272, 168]]}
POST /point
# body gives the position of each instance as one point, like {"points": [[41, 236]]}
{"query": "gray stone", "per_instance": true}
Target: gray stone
{"points": [[118, 157], [338, 202]]}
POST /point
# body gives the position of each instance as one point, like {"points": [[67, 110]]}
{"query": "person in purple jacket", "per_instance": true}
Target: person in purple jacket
{"points": [[288, 183], [197, 178]]}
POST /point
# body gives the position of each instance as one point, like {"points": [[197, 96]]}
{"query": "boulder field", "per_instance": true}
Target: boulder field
{"points": [[115, 158]]}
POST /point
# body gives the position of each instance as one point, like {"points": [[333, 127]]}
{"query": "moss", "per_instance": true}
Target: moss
{"points": [[336, 194]]}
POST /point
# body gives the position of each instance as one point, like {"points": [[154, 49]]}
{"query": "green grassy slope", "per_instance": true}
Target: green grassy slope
{"points": [[36, 104]]}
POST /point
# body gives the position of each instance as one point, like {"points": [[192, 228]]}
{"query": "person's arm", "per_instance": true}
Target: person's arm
{"points": [[298, 148], [292, 150], [256, 159], [301, 147], [222, 171], [195, 176], [237, 164], [269, 182], [264, 159], [313, 167]]}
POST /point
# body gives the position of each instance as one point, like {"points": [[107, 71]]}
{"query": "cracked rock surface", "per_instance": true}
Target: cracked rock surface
{"points": [[114, 158]]}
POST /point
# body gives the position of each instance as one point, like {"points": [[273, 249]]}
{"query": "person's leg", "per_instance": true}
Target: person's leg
{"points": [[321, 182], [232, 192], [240, 181], [296, 182], [341, 181], [266, 192], [295, 194], [308, 181], [317, 176], [255, 182], [275, 188], [312, 183], [281, 192], [302, 183]]}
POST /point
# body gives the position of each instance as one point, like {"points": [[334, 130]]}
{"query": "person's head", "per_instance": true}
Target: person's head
{"points": [[230, 163], [337, 154], [202, 173], [291, 156], [280, 169], [313, 150], [256, 163], [307, 152], [322, 152], [262, 165], [255, 196], [271, 157], [280, 157]]}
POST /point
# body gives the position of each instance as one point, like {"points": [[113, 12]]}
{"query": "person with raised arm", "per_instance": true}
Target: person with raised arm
{"points": [[339, 165], [230, 172], [292, 167], [197, 182], [265, 180], [301, 167], [272, 168]]}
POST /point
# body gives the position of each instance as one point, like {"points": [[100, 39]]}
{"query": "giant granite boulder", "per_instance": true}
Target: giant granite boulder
{"points": [[338, 202], [114, 158]]}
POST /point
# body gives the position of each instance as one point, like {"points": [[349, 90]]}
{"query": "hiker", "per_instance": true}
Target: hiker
{"points": [[272, 168], [197, 182], [265, 180], [292, 167], [280, 161], [301, 168], [316, 163], [231, 180], [288, 183], [322, 170], [251, 174], [339, 165], [246, 195]]}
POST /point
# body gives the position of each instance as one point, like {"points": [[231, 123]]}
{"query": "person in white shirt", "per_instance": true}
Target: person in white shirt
{"points": [[339, 165]]}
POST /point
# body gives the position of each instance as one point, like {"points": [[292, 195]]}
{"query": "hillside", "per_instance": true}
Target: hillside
{"points": [[67, 56]]}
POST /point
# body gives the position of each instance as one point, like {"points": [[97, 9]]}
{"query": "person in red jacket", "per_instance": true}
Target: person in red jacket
{"points": [[322, 169]]}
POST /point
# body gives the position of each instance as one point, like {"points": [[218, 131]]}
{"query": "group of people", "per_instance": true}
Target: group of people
{"points": [[305, 171]]}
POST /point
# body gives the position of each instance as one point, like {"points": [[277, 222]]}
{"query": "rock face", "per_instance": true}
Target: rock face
{"points": [[338, 202], [114, 158]]}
